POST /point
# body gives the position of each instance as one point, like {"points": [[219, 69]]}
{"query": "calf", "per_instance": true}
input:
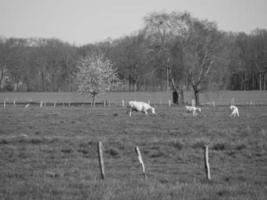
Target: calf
{"points": [[193, 109], [139, 106], [235, 112]]}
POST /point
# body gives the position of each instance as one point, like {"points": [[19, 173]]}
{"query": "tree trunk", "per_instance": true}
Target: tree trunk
{"points": [[1, 79], [129, 83], [93, 100], [260, 84], [196, 95], [175, 97], [178, 92], [135, 86], [181, 95], [264, 83]]}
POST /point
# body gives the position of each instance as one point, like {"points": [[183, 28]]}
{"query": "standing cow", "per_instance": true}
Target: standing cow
{"points": [[139, 106], [193, 109]]}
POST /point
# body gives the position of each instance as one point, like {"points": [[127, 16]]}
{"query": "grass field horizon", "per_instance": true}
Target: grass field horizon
{"points": [[220, 97], [51, 153]]}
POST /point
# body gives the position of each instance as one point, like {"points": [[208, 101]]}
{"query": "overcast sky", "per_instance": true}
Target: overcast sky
{"points": [[87, 21]]}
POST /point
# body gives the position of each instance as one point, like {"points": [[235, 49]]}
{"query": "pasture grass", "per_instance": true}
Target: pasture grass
{"points": [[51, 153]]}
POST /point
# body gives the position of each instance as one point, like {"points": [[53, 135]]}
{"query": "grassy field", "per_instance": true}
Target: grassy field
{"points": [[51, 153], [220, 97]]}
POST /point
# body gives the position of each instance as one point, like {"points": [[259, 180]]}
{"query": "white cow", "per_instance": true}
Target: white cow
{"points": [[235, 112], [139, 106], [193, 109]]}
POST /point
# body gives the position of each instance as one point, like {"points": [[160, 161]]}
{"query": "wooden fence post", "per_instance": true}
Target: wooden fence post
{"points": [[4, 104], [170, 103], [206, 160], [140, 159], [101, 159]]}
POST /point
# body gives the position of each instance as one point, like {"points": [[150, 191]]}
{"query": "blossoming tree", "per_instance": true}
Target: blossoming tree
{"points": [[95, 75]]}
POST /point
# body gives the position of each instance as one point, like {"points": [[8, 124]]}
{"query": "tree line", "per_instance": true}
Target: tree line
{"points": [[172, 51]]}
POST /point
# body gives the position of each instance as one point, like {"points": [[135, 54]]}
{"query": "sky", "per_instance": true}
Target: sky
{"points": [[81, 22]]}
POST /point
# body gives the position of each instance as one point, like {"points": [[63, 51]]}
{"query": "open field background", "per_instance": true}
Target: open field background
{"points": [[220, 98], [51, 153]]}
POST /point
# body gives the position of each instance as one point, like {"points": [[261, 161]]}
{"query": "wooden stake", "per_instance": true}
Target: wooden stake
{"points": [[140, 159], [170, 103], [101, 160], [4, 104], [206, 158]]}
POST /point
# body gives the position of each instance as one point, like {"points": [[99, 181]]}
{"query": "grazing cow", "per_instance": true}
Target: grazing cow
{"points": [[193, 109], [235, 112], [139, 106]]}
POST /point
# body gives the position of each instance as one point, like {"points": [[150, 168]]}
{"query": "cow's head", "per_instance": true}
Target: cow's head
{"points": [[232, 107]]}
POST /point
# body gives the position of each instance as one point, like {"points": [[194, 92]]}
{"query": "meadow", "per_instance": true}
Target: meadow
{"points": [[51, 153]]}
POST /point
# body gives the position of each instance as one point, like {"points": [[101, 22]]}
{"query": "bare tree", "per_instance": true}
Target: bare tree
{"points": [[201, 55], [158, 30]]}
